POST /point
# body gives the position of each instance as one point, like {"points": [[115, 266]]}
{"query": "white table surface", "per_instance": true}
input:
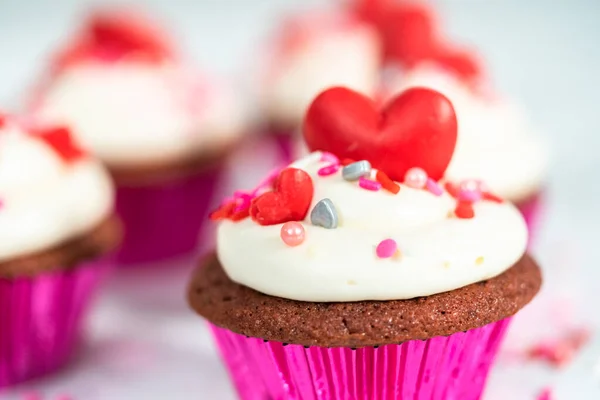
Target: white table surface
{"points": [[145, 344]]}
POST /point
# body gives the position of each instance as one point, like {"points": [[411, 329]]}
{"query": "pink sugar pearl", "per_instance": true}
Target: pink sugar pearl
{"points": [[292, 233], [415, 178], [386, 248], [470, 190]]}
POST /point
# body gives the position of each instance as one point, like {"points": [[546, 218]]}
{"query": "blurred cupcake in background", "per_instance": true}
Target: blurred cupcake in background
{"points": [[57, 234], [163, 130], [496, 143], [312, 52]]}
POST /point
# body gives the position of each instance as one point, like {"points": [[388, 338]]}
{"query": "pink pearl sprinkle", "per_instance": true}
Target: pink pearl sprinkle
{"points": [[369, 184], [433, 187], [329, 170], [330, 158], [470, 190], [415, 178], [386, 248], [292, 233]]}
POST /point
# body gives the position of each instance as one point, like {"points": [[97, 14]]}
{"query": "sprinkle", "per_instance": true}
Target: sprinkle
{"points": [[329, 157], [469, 190], [242, 200], [61, 141], [492, 197], [329, 170], [354, 171], [386, 182], [292, 233], [560, 351], [446, 264], [223, 212], [464, 210], [434, 187], [451, 188], [351, 282], [324, 214], [415, 178], [479, 260], [545, 394], [369, 184], [2, 120], [347, 161], [386, 248]]}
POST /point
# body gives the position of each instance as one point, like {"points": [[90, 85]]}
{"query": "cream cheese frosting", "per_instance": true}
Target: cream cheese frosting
{"points": [[130, 113], [437, 253], [44, 200], [496, 143], [326, 49]]}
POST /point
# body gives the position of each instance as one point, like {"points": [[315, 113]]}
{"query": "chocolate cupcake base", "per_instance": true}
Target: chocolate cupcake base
{"points": [[365, 323]]}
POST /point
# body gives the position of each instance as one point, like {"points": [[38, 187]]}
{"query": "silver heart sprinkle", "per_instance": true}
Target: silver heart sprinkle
{"points": [[356, 170], [324, 214]]}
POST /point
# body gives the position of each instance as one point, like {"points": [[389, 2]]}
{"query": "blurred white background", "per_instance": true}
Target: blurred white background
{"points": [[544, 53]]}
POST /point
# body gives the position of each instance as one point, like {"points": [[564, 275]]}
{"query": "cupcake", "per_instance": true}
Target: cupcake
{"points": [[312, 52], [163, 131], [57, 232], [496, 143], [355, 273]]}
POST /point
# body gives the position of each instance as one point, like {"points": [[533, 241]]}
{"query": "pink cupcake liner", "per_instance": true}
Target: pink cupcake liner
{"points": [[41, 317], [532, 211], [164, 221], [442, 368]]}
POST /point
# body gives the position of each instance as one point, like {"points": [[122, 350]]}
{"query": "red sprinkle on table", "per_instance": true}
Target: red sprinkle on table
{"points": [[2, 120], [387, 183]]}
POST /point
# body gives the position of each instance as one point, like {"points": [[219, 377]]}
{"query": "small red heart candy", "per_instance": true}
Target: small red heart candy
{"points": [[289, 201], [416, 129]]}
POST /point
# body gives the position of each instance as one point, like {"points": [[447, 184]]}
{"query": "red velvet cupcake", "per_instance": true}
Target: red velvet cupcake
{"points": [[359, 271], [163, 131]]}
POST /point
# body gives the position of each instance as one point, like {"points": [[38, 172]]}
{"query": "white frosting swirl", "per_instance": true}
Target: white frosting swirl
{"points": [[438, 253], [132, 113], [45, 201], [328, 50], [495, 141]]}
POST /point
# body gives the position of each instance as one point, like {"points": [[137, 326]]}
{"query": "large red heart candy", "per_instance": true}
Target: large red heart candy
{"points": [[416, 129], [289, 200]]}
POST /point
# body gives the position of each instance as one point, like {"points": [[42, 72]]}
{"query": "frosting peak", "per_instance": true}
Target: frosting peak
{"points": [[319, 51], [383, 245], [132, 113], [45, 197]]}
